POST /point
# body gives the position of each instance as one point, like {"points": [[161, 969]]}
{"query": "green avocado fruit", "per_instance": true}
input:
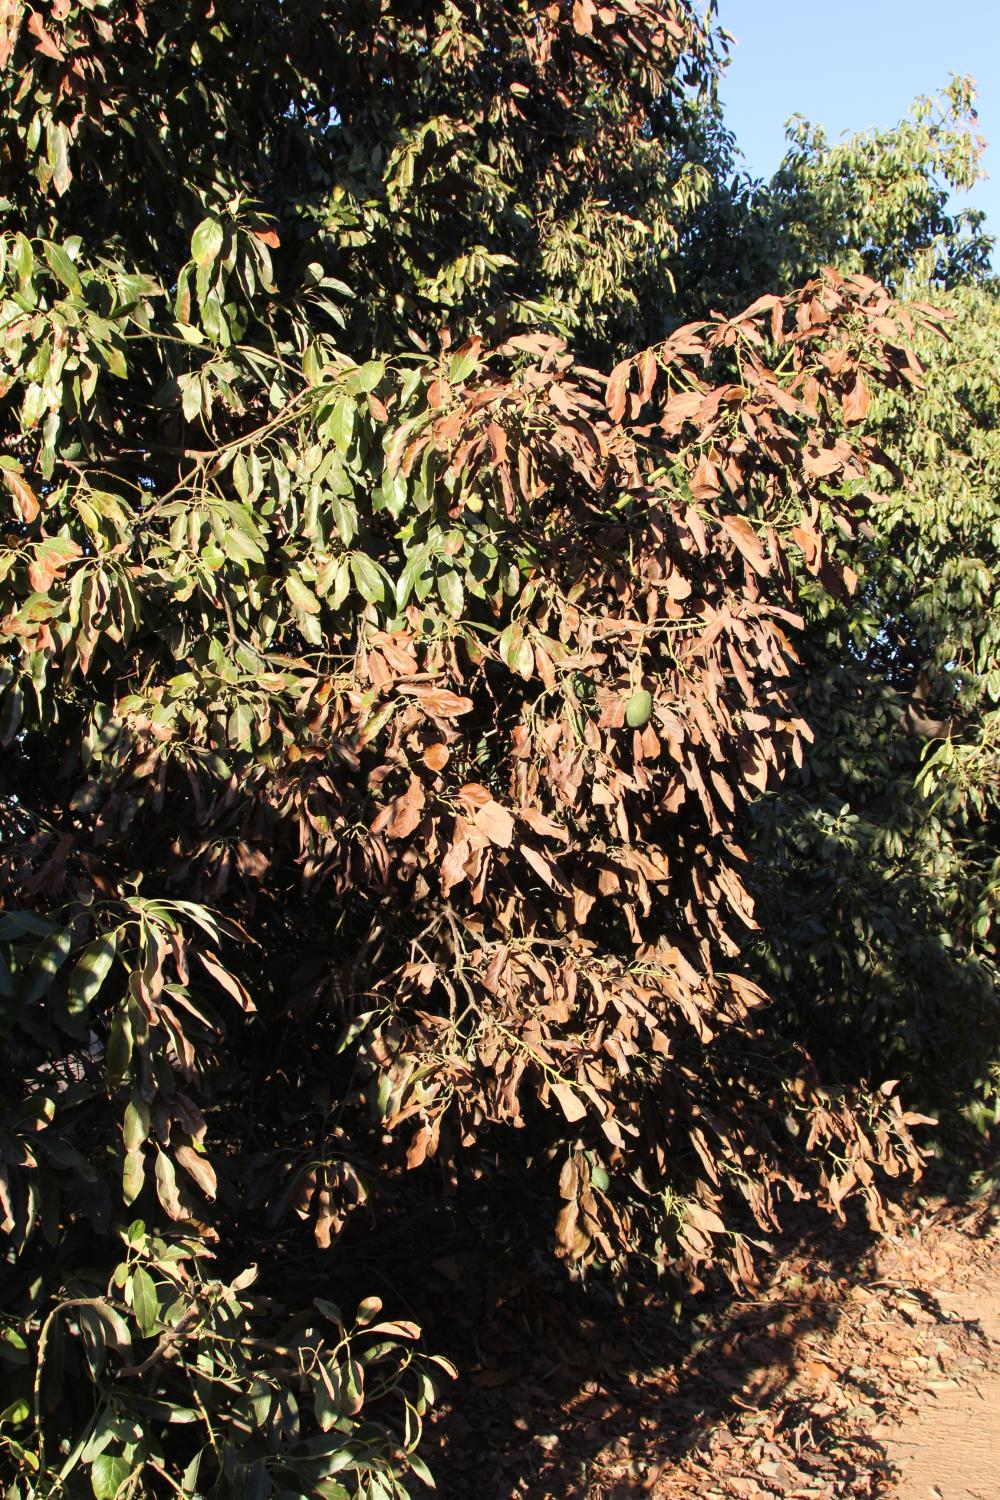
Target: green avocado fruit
{"points": [[638, 709]]}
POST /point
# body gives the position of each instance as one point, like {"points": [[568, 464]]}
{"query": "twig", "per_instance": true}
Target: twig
{"points": [[166, 1342]]}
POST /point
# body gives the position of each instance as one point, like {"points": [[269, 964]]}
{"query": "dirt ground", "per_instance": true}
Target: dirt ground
{"points": [[907, 1383], [862, 1367], [949, 1447]]}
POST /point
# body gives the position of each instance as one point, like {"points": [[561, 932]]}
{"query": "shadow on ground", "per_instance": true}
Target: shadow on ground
{"points": [[567, 1394], [561, 1385]]}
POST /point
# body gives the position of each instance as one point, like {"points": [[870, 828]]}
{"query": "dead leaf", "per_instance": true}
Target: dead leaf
{"points": [[570, 1102], [857, 400], [496, 823], [25, 500], [453, 870], [46, 44], [748, 543], [705, 483], [679, 409], [819, 462], [544, 867], [489, 1379], [441, 702], [199, 1168], [617, 389], [408, 810], [228, 981]]}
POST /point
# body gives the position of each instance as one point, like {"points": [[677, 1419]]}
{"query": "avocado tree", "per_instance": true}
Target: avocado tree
{"points": [[876, 861], [880, 202], [397, 612], [888, 835]]}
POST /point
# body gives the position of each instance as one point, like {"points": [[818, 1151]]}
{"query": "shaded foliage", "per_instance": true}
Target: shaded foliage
{"points": [[892, 827], [888, 835]]}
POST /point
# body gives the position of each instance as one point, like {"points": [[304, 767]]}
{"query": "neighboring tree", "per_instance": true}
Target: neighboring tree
{"points": [[380, 688], [877, 863], [887, 952], [879, 203]]}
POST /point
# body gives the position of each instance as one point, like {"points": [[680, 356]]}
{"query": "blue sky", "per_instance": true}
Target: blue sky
{"points": [[854, 65]]}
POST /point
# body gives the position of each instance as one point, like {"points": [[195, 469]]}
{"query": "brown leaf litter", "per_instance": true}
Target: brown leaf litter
{"points": [[850, 1371]]}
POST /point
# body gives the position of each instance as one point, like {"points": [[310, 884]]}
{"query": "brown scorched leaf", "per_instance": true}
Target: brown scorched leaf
{"points": [[442, 702], [856, 400], [25, 499], [705, 482], [570, 1102], [496, 823], [748, 543]]}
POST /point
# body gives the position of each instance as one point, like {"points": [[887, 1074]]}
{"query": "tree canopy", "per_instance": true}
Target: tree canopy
{"points": [[400, 604]]}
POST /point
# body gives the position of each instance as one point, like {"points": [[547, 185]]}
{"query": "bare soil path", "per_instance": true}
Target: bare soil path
{"points": [[949, 1448]]}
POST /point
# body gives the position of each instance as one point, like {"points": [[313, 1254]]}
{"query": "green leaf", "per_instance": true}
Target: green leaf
{"points": [[16, 924], [254, 1483], [22, 258], [238, 727], [340, 586], [366, 378], [107, 1475], [189, 1479], [191, 397], [145, 1301], [119, 1053], [135, 1126], [58, 155], [302, 597], [133, 1176], [509, 644], [241, 476], [329, 1310], [413, 570], [91, 970], [452, 593], [346, 516], [61, 266], [215, 321], [46, 964], [116, 1329], [135, 1234], [240, 547], [369, 580], [312, 365], [421, 1470], [339, 425], [326, 1408], [166, 1186], [462, 366], [13, 1348], [206, 242]]}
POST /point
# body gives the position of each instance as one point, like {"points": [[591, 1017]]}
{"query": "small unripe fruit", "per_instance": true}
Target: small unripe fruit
{"points": [[638, 709]]}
